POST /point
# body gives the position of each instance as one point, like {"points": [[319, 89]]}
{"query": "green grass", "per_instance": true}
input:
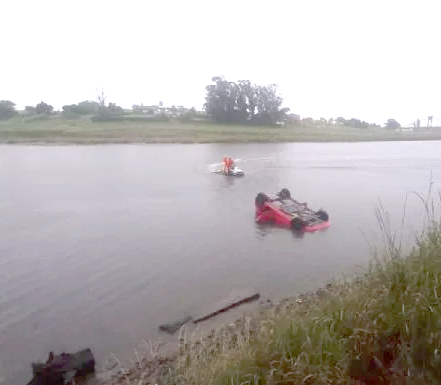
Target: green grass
{"points": [[334, 334], [84, 131]]}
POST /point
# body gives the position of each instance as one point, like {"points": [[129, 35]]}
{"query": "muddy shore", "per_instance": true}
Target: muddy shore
{"points": [[150, 366]]}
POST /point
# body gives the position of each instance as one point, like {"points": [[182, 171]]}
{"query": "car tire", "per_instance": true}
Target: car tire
{"points": [[297, 224], [261, 198], [322, 215], [284, 193]]}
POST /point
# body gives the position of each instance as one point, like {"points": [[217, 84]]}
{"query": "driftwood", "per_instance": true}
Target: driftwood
{"points": [[174, 327], [227, 305], [63, 368], [234, 300]]}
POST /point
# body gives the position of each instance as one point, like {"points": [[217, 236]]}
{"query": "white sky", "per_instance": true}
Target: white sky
{"points": [[371, 60]]}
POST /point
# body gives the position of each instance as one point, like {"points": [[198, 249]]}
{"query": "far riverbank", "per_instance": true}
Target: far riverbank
{"points": [[58, 131]]}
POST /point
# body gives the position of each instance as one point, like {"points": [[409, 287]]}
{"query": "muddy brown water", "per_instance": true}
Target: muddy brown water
{"points": [[99, 245]]}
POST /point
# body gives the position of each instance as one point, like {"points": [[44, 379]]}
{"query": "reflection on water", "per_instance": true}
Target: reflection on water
{"points": [[262, 230]]}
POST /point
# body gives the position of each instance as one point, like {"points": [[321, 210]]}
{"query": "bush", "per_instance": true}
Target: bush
{"points": [[39, 117], [106, 118], [128, 118], [69, 115]]}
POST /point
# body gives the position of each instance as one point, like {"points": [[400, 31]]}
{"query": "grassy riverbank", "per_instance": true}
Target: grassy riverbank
{"points": [[85, 131], [384, 324]]}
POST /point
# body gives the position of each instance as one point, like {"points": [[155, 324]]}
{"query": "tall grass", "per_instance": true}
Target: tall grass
{"points": [[382, 327]]}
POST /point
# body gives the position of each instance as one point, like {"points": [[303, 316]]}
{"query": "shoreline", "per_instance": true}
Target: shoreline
{"points": [[124, 141], [85, 132], [153, 369], [352, 329]]}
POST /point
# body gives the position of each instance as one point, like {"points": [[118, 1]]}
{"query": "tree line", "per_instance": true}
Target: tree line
{"points": [[226, 102]]}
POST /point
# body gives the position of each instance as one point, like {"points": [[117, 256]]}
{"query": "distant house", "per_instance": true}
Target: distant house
{"points": [[170, 111], [155, 110], [407, 129]]}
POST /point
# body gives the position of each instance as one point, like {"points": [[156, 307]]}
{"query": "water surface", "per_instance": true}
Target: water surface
{"points": [[101, 244]]}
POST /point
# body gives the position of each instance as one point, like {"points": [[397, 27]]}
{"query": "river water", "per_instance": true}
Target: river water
{"points": [[101, 244]]}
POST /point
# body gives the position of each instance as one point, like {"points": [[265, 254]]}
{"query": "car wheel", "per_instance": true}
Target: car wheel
{"points": [[284, 193], [261, 198], [322, 215], [297, 224]]}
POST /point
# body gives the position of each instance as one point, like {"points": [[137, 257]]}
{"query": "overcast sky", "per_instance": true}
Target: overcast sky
{"points": [[372, 60]]}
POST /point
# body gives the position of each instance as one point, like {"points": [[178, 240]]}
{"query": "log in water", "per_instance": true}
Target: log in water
{"points": [[175, 326], [235, 299], [227, 304]]}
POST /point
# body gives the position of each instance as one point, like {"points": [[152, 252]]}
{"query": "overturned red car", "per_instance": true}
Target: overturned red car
{"points": [[281, 209]]}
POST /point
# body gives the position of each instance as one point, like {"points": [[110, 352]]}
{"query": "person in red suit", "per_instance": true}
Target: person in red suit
{"points": [[228, 164]]}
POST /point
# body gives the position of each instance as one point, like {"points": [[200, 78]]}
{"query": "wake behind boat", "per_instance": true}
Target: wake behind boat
{"points": [[235, 171], [229, 168]]}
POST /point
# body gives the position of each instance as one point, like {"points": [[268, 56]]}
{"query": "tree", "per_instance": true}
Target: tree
{"points": [[323, 122], [243, 102], [392, 124], [293, 119], [269, 110], [113, 109], [189, 115], [101, 98], [70, 109], [307, 122], [353, 122], [340, 121], [356, 123], [7, 109], [30, 110], [88, 107], [106, 111], [43, 108]]}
